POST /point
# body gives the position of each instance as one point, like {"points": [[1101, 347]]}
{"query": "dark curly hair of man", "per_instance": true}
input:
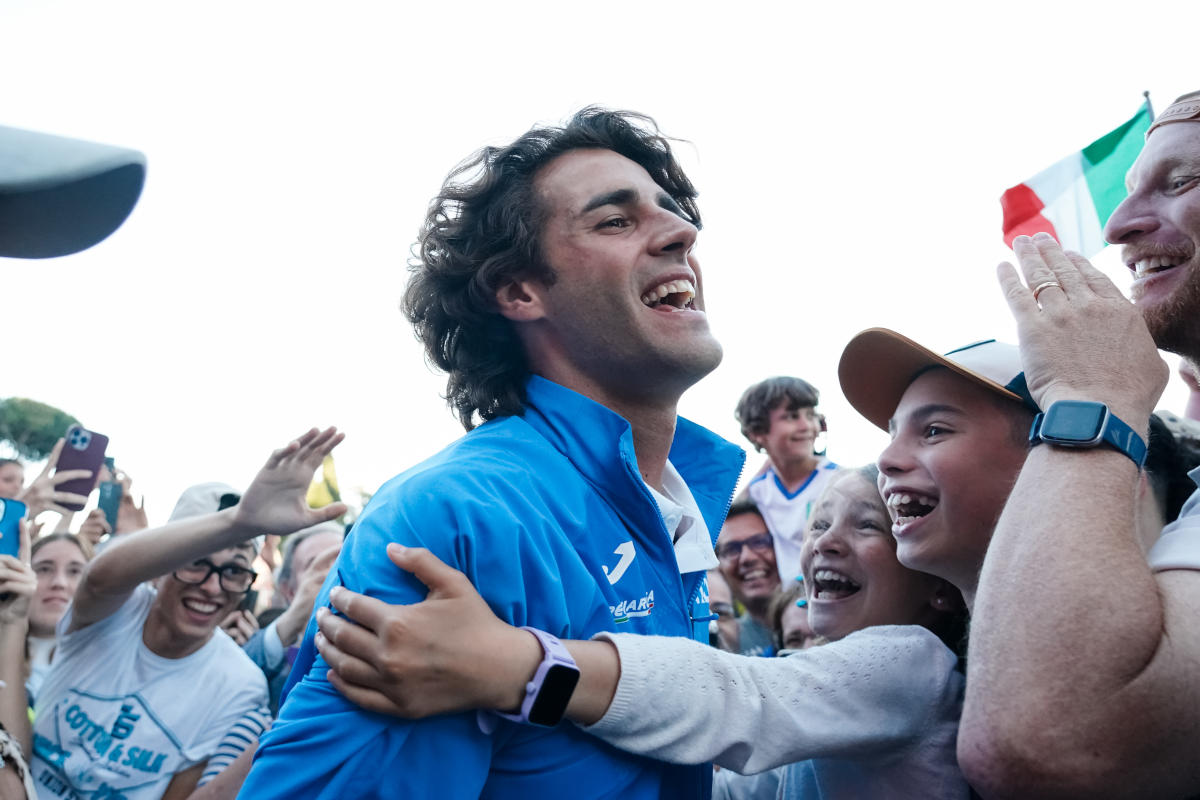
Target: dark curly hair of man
{"points": [[481, 232]]}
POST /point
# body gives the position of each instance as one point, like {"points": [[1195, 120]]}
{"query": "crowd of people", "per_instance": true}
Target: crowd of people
{"points": [[571, 598]]}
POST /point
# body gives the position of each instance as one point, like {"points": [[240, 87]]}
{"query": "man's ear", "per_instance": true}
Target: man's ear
{"points": [[521, 300]]}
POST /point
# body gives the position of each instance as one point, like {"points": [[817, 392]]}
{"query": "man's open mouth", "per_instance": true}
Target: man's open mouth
{"points": [[830, 584], [1149, 266], [200, 606], [907, 508], [678, 294]]}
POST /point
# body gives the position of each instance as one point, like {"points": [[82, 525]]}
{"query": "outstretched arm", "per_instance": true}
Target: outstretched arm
{"points": [[274, 503], [398, 661], [1083, 676], [664, 697]]}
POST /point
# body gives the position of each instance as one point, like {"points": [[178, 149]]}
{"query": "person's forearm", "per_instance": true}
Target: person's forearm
{"points": [[1067, 614], [142, 556], [688, 703], [138, 557], [14, 705], [229, 781], [290, 624], [599, 673]]}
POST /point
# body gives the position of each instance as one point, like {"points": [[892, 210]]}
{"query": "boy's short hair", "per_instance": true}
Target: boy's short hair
{"points": [[753, 411]]}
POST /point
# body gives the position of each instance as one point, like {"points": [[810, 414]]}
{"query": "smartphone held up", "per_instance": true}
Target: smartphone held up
{"points": [[84, 450], [11, 512]]}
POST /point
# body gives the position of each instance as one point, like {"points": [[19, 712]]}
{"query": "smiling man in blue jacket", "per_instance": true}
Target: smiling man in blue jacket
{"points": [[555, 286]]}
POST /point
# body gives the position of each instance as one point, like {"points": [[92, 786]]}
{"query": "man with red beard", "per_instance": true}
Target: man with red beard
{"points": [[1084, 671]]}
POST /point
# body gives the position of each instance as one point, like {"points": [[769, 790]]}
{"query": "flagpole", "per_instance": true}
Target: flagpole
{"points": [[1146, 94]]}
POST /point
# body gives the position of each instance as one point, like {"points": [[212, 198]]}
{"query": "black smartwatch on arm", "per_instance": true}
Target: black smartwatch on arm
{"points": [[1083, 424]]}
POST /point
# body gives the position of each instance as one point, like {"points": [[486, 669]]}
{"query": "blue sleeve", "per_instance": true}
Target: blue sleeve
{"points": [[323, 746]]}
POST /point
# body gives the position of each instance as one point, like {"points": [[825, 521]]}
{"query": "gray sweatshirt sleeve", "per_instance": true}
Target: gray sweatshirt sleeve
{"points": [[684, 702]]}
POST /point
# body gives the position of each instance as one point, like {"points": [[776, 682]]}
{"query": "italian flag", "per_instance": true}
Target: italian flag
{"points": [[1073, 199]]}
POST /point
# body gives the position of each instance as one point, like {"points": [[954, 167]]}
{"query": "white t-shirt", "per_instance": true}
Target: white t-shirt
{"points": [[40, 651], [1178, 547], [787, 514], [114, 719]]}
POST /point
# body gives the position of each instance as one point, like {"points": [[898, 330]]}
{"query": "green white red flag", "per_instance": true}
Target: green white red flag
{"points": [[1073, 199]]}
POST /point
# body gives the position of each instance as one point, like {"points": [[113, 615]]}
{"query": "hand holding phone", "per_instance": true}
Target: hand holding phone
{"points": [[82, 450], [110, 502], [11, 513], [18, 579], [249, 601]]}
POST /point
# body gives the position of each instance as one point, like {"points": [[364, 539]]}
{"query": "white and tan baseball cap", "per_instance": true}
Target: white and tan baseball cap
{"points": [[878, 365]]}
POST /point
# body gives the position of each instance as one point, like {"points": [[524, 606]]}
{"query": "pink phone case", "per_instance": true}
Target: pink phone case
{"points": [[83, 449]]}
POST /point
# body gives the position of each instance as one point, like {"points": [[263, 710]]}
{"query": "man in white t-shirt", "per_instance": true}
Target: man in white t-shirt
{"points": [[779, 415], [143, 685], [1084, 672]]}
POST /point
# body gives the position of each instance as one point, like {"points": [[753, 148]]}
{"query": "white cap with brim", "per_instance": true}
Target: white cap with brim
{"points": [[878, 365], [208, 498], [59, 196]]}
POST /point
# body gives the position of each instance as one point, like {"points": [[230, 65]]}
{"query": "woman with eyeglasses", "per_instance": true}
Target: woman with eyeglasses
{"points": [[143, 688]]}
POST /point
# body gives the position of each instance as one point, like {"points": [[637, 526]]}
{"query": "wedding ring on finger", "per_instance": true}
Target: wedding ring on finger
{"points": [[1037, 290]]}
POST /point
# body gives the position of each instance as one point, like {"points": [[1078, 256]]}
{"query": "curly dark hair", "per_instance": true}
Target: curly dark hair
{"points": [[753, 411], [481, 232]]}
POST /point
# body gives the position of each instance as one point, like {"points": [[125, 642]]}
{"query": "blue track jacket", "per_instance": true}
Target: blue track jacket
{"points": [[538, 510]]}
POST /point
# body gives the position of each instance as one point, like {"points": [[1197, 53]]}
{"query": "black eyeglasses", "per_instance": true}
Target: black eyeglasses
{"points": [[761, 543], [722, 610], [233, 579]]}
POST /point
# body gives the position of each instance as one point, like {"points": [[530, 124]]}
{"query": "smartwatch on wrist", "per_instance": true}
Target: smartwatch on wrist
{"points": [[1078, 423], [549, 690]]}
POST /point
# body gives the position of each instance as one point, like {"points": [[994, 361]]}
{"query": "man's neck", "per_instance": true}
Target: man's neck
{"points": [[652, 418], [793, 474], [163, 642], [653, 433]]}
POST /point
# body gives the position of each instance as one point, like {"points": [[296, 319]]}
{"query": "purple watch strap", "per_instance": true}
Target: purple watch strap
{"points": [[554, 653]]}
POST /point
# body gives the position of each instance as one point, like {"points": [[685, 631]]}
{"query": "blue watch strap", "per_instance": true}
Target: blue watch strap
{"points": [[1113, 431], [1124, 438]]}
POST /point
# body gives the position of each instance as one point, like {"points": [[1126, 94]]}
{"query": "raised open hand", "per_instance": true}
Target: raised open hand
{"points": [[1081, 339], [276, 501], [42, 494]]}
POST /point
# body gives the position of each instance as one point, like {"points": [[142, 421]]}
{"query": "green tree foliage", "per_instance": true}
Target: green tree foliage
{"points": [[31, 427]]}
